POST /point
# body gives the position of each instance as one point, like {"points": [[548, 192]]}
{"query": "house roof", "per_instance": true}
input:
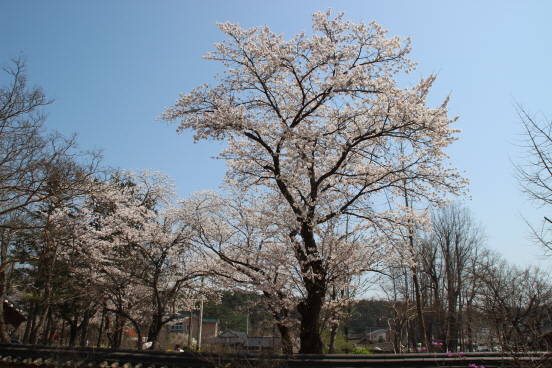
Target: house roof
{"points": [[262, 342], [234, 334], [230, 338], [204, 319]]}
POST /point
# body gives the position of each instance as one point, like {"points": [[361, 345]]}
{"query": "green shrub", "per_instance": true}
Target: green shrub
{"points": [[361, 351]]}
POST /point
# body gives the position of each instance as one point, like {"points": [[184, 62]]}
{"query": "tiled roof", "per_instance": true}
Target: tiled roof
{"points": [[230, 334], [12, 314], [16, 355], [263, 342]]}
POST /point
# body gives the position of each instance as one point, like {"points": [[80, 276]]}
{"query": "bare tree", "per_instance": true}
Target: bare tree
{"points": [[534, 174], [40, 173], [515, 304], [434, 294], [447, 254]]}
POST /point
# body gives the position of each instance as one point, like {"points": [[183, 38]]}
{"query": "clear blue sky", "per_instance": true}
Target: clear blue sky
{"points": [[114, 65]]}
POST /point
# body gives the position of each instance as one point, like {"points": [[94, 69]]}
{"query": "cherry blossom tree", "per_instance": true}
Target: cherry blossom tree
{"points": [[138, 250], [320, 122]]}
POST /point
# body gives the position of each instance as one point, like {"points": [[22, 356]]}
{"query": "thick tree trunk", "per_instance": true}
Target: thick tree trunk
{"points": [[287, 340], [315, 285], [309, 333], [155, 328], [310, 309]]}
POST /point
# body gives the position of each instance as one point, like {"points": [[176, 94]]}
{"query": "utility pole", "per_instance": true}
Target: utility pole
{"points": [[200, 320], [247, 322], [190, 330], [200, 324]]}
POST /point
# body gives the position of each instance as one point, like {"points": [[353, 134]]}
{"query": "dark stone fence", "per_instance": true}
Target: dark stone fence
{"points": [[19, 356]]}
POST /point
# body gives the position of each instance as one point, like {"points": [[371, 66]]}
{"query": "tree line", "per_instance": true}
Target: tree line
{"points": [[470, 295]]}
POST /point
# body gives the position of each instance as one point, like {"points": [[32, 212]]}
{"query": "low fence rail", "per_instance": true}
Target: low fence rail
{"points": [[13, 356]]}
